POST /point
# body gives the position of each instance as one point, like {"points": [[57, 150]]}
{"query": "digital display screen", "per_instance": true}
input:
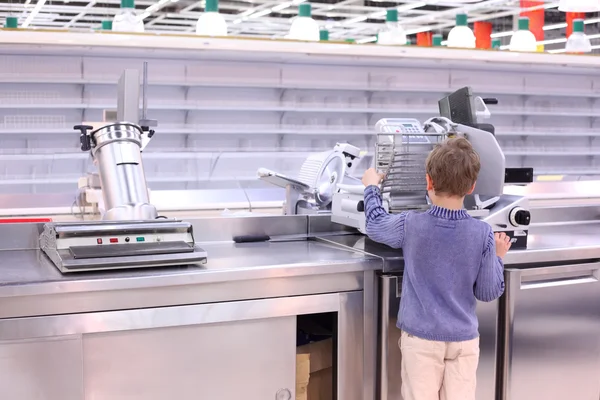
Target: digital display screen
{"points": [[407, 125]]}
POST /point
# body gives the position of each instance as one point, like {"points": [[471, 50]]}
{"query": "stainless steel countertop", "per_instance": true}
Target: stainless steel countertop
{"points": [[550, 244], [29, 272]]}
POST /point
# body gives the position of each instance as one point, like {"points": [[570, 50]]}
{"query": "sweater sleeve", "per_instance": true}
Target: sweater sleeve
{"points": [[490, 279], [382, 227]]}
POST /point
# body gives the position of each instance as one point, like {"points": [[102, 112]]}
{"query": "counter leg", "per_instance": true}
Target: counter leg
{"points": [[350, 358], [370, 296]]}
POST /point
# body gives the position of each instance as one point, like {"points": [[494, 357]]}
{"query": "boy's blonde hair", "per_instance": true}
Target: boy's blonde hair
{"points": [[453, 167]]}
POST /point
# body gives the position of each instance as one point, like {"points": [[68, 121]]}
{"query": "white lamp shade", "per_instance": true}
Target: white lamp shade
{"points": [[578, 42], [523, 40], [392, 37], [461, 37], [211, 24], [304, 28], [579, 5], [127, 21]]}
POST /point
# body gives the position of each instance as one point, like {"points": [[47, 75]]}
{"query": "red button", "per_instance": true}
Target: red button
{"points": [[99, 241], [114, 240]]}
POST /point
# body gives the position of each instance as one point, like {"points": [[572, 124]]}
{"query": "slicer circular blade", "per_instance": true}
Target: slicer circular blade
{"points": [[322, 172]]}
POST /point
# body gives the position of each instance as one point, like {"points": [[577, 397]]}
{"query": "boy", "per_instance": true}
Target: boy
{"points": [[451, 260]]}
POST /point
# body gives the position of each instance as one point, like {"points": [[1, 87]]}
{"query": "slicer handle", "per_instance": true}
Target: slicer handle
{"points": [[84, 137], [354, 189]]}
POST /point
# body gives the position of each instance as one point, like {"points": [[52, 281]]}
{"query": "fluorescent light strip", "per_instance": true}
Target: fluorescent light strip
{"points": [[281, 6], [355, 20], [261, 13], [380, 14], [563, 50], [250, 13], [555, 41], [545, 28], [411, 6], [153, 8], [33, 13], [367, 40], [246, 13], [478, 19]]}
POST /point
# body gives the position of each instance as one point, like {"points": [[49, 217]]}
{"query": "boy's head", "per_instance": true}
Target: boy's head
{"points": [[452, 168]]}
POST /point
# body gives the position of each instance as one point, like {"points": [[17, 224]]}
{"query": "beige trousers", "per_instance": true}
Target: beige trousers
{"points": [[438, 370]]}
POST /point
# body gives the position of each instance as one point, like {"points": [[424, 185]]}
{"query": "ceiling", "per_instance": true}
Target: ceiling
{"points": [[356, 19]]}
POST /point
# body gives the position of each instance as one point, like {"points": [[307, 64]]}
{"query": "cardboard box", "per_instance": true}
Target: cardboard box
{"points": [[320, 367], [302, 376]]}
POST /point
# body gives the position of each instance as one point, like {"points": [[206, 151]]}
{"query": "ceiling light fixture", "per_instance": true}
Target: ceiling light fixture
{"points": [[392, 34], [355, 20], [282, 6], [545, 28], [126, 20], [577, 41], [563, 40], [555, 51], [523, 39], [579, 6], [211, 23], [303, 26], [261, 13], [461, 36], [432, 17]]}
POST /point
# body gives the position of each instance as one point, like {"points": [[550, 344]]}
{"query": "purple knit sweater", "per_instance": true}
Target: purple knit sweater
{"points": [[449, 262]]}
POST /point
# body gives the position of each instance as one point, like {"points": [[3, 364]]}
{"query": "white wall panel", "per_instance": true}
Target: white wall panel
{"points": [[324, 76], [409, 78], [215, 97], [38, 67], [225, 72], [553, 83], [107, 69], [18, 118], [485, 79]]}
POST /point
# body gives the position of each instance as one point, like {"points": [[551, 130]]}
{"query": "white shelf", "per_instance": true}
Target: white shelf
{"points": [[569, 172], [162, 154], [549, 134], [299, 131], [203, 154], [295, 86], [51, 180], [204, 131], [552, 153], [299, 109], [71, 180]]}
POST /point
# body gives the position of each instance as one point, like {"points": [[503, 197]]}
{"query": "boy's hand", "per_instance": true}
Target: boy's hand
{"points": [[372, 177], [502, 244]]}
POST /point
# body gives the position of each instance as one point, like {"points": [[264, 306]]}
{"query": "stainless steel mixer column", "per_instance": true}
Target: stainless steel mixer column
{"points": [[116, 150], [119, 159]]}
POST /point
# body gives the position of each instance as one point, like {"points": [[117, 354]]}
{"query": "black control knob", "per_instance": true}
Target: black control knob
{"points": [[84, 137], [148, 130], [520, 217], [360, 206]]}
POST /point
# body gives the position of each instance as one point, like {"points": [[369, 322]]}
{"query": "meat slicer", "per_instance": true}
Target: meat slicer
{"points": [[401, 149], [312, 191]]}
